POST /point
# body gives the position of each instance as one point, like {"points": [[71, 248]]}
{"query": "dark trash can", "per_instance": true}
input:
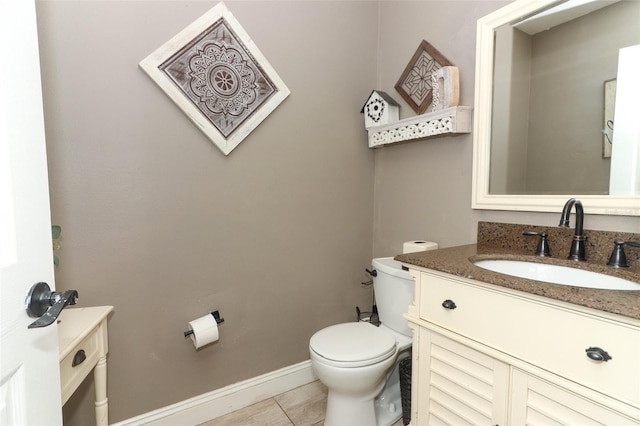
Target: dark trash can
{"points": [[405, 389]]}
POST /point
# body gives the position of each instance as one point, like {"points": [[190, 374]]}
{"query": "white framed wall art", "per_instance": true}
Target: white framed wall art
{"points": [[218, 77]]}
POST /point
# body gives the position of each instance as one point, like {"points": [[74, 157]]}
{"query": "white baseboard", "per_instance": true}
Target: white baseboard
{"points": [[222, 401]]}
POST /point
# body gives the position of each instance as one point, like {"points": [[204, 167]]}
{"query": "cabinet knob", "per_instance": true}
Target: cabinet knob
{"points": [[449, 304], [597, 354]]}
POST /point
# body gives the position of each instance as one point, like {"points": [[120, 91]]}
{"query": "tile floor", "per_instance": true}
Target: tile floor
{"points": [[303, 406]]}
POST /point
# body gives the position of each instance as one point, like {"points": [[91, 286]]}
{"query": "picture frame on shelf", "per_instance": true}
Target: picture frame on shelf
{"points": [[415, 83]]}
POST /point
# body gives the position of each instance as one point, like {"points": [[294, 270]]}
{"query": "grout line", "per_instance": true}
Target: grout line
{"points": [[284, 411]]}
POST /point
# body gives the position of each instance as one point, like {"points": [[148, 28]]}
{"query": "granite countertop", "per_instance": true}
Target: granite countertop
{"points": [[492, 245]]}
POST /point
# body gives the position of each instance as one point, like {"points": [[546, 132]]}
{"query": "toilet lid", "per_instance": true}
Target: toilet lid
{"points": [[353, 342]]}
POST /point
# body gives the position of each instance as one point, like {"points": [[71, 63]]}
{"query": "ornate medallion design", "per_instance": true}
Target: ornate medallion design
{"points": [[415, 83], [220, 77]]}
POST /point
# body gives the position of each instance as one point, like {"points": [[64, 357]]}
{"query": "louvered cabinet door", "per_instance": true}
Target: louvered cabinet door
{"points": [[535, 401], [459, 385]]}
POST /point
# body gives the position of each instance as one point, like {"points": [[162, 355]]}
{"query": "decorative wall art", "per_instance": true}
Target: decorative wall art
{"points": [[415, 82], [218, 77], [609, 108]]}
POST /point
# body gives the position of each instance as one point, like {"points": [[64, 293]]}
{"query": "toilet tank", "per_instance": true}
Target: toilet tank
{"points": [[393, 289]]}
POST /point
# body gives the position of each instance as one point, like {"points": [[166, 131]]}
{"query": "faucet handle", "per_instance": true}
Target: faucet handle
{"points": [[543, 245], [618, 258]]}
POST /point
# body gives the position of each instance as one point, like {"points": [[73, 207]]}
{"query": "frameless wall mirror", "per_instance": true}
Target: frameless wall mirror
{"points": [[557, 106]]}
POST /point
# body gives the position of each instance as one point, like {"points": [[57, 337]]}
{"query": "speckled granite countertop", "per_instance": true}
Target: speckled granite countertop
{"points": [[505, 241]]}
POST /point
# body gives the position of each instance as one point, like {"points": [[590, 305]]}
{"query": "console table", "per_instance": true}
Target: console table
{"points": [[83, 342]]}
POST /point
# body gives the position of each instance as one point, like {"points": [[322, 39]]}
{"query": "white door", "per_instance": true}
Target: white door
{"points": [[29, 373]]}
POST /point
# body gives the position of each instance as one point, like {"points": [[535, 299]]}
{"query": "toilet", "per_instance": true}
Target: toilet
{"points": [[358, 362]]}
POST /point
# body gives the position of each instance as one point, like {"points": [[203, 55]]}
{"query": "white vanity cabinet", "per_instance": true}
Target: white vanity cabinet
{"points": [[484, 354]]}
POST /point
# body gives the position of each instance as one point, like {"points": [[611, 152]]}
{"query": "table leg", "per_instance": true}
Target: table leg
{"points": [[102, 404]]}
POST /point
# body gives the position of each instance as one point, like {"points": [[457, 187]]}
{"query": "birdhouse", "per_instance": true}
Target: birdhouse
{"points": [[379, 109]]}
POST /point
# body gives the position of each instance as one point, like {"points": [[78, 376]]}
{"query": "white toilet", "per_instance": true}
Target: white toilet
{"points": [[358, 361]]}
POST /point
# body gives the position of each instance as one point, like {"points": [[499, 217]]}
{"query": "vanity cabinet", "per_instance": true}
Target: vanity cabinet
{"points": [[456, 384], [485, 354], [535, 400]]}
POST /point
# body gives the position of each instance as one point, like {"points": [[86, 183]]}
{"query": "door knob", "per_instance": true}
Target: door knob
{"points": [[46, 304]]}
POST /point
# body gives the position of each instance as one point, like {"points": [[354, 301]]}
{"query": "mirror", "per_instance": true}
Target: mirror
{"points": [[539, 116]]}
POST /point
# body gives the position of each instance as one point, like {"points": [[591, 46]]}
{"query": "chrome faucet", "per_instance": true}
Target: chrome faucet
{"points": [[577, 245]]}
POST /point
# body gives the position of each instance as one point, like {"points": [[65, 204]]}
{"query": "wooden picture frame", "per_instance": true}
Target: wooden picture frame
{"points": [[218, 77], [414, 85]]}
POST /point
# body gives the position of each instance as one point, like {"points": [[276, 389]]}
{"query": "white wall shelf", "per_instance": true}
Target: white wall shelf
{"points": [[452, 120]]}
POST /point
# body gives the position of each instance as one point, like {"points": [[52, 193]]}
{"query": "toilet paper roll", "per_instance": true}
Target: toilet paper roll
{"points": [[205, 331], [418, 245]]}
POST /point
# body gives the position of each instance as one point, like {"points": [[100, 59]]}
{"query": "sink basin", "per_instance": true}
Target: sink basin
{"points": [[556, 274]]}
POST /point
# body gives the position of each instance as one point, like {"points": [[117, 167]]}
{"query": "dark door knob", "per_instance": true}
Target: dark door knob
{"points": [[46, 304]]}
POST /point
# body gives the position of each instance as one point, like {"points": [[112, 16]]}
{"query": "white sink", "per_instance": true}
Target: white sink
{"points": [[557, 274]]}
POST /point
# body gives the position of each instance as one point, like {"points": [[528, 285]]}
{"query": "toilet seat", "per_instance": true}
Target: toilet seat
{"points": [[354, 344]]}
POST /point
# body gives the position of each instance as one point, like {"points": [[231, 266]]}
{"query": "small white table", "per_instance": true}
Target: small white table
{"points": [[83, 342]]}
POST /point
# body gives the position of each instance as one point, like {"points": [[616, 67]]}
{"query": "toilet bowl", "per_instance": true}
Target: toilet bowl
{"points": [[353, 369], [358, 361]]}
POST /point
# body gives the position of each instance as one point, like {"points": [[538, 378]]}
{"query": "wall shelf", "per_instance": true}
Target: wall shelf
{"points": [[452, 120]]}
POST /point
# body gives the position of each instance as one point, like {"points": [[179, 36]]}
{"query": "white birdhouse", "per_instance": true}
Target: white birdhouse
{"points": [[379, 109]]}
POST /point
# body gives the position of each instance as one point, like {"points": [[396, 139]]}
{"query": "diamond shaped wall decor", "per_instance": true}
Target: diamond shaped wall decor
{"points": [[218, 77], [414, 84]]}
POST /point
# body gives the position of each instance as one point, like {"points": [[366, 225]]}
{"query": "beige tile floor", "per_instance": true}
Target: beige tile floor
{"points": [[303, 406]]}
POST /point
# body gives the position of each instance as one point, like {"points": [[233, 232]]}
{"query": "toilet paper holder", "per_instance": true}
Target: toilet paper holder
{"points": [[215, 314]]}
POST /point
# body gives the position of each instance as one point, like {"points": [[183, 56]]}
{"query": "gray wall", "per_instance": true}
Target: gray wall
{"points": [[423, 189], [157, 222]]}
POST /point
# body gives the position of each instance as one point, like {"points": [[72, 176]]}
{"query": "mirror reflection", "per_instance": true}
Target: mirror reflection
{"points": [[554, 106]]}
